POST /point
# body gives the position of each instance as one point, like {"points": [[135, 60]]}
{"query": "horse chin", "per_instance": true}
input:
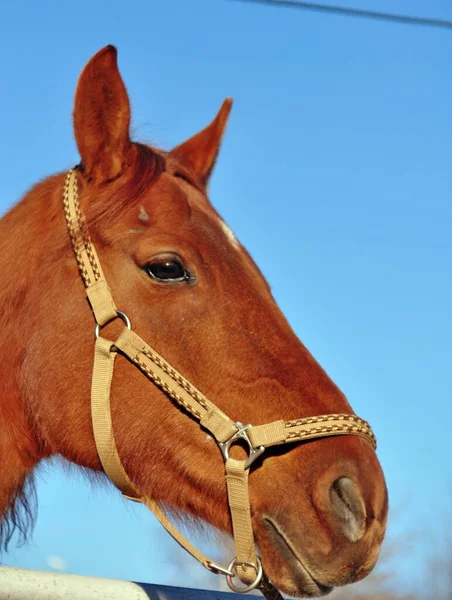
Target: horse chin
{"points": [[288, 571]]}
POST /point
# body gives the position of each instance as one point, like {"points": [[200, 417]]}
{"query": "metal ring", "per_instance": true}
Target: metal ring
{"points": [[243, 590], [121, 315], [241, 434]]}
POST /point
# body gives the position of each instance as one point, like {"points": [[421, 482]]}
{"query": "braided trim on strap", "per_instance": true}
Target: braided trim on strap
{"points": [[88, 262], [308, 428]]}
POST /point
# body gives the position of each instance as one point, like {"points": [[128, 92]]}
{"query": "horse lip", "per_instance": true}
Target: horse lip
{"points": [[320, 588]]}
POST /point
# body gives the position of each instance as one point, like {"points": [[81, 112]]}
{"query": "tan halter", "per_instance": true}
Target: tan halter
{"points": [[246, 565]]}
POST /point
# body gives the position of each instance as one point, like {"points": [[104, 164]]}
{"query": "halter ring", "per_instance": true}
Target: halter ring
{"points": [[243, 590], [241, 434], [121, 315]]}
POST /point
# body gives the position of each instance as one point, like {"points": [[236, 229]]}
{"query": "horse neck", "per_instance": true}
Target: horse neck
{"points": [[25, 239]]}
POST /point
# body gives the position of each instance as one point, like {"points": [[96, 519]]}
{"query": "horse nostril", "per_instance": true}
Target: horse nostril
{"points": [[348, 506]]}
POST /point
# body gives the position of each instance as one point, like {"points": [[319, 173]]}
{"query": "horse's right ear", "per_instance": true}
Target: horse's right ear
{"points": [[102, 117]]}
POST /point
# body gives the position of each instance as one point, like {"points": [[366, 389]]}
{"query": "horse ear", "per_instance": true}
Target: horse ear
{"points": [[200, 151], [102, 117]]}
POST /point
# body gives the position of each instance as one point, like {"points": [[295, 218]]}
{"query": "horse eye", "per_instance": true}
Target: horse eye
{"points": [[168, 270]]}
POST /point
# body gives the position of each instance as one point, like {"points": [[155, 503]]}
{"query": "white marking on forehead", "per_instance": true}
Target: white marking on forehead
{"points": [[143, 215], [229, 234]]}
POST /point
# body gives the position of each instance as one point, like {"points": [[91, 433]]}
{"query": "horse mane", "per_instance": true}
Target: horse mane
{"points": [[20, 517]]}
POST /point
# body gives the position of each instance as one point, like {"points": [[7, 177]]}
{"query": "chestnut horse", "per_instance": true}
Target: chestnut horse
{"points": [[319, 510]]}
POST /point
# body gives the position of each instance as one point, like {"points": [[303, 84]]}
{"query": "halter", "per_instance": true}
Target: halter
{"points": [[246, 565]]}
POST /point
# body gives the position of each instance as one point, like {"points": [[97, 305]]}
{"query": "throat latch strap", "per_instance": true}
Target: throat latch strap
{"points": [[104, 360], [246, 565]]}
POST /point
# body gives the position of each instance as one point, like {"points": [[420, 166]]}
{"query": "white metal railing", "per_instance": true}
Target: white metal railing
{"points": [[25, 584]]}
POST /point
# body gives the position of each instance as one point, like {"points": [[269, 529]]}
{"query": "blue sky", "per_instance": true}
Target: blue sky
{"points": [[335, 174]]}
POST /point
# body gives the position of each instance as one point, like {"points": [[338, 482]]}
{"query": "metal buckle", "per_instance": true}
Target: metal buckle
{"points": [[219, 569], [241, 434]]}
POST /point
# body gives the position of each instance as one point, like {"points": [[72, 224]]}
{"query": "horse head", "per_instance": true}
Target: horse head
{"points": [[319, 507]]}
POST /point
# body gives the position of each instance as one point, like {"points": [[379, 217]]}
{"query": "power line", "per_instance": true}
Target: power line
{"points": [[356, 12]]}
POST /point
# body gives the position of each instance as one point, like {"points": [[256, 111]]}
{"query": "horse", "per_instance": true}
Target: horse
{"points": [[319, 511]]}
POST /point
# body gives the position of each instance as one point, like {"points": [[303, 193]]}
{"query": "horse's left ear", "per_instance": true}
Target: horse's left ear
{"points": [[200, 151], [102, 117]]}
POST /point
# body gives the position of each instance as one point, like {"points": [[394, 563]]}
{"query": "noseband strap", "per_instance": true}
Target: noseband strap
{"points": [[246, 564]]}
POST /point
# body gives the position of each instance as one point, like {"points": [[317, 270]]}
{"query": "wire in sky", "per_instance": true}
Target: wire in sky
{"points": [[356, 12]]}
